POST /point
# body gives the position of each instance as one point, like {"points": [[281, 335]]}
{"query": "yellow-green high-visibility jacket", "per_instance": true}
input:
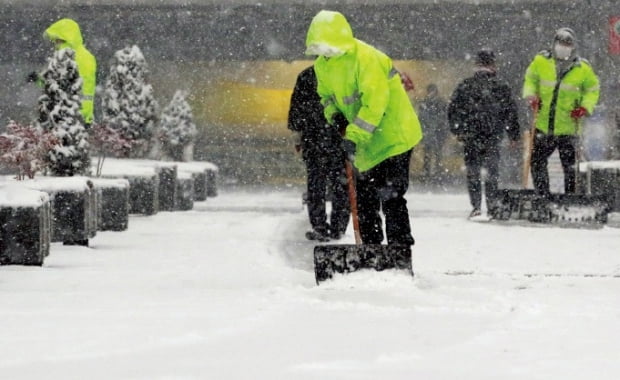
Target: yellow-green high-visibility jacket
{"points": [[69, 31], [578, 88], [365, 87]]}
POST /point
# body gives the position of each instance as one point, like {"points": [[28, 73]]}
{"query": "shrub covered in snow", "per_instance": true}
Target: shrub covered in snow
{"points": [[177, 128], [59, 113], [24, 148], [128, 103]]}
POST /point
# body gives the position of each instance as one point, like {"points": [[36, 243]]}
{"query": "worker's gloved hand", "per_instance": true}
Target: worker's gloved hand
{"points": [[534, 102], [340, 122], [578, 113], [32, 77], [348, 147]]}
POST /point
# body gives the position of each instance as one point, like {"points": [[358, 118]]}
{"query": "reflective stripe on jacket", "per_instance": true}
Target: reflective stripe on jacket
{"points": [[69, 31], [578, 88], [364, 86]]}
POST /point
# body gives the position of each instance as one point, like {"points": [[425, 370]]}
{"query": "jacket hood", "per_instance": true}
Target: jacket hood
{"points": [[329, 28], [66, 30]]}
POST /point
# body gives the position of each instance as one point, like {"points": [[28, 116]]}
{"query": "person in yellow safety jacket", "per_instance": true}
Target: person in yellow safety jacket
{"points": [[561, 88], [65, 33], [359, 84]]}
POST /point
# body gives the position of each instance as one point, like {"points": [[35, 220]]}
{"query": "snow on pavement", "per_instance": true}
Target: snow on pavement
{"points": [[227, 291]]}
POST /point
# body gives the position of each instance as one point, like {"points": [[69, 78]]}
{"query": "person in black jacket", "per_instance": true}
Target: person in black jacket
{"points": [[480, 111], [321, 148]]}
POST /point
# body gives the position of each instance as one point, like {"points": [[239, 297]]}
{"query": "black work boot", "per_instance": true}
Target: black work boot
{"points": [[317, 235]]}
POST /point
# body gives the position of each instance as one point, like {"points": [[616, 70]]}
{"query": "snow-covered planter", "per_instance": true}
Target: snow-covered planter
{"points": [[59, 113], [25, 226], [212, 182], [199, 171], [167, 186], [603, 178], [112, 204], [143, 194], [165, 170], [176, 128], [200, 185], [128, 102], [184, 192], [74, 207], [143, 184]]}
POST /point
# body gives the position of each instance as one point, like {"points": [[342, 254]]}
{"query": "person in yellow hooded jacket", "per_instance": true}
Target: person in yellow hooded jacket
{"points": [[561, 88], [65, 33], [358, 83]]}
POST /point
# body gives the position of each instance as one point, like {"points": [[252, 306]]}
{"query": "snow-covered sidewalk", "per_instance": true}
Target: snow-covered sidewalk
{"points": [[227, 291]]}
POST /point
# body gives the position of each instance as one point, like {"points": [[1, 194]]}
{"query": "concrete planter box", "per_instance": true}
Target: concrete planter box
{"points": [[603, 179], [74, 207], [112, 204], [209, 188], [25, 227], [200, 186], [184, 192], [167, 187], [143, 194], [143, 183], [212, 182]]}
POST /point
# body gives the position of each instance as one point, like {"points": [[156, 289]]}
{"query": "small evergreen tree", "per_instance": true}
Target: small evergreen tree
{"points": [[128, 103], [59, 113], [177, 129]]}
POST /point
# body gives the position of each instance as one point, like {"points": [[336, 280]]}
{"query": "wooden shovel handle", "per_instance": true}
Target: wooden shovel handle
{"points": [[353, 202]]}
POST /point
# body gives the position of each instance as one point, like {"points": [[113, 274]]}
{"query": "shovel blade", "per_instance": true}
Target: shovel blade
{"points": [[345, 258]]}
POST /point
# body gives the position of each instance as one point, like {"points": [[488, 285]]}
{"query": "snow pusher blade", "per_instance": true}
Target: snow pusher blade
{"points": [[569, 210], [346, 258]]}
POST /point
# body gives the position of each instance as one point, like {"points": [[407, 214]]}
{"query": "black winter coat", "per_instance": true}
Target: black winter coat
{"points": [[482, 109], [305, 115]]}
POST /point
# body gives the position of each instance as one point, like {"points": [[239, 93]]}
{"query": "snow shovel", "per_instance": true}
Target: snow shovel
{"points": [[345, 258]]}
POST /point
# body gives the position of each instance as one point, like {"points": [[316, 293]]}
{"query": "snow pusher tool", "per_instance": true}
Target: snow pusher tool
{"points": [[565, 210], [345, 258]]}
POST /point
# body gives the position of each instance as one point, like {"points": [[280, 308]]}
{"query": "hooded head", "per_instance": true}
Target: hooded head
{"points": [[485, 58], [64, 33], [564, 43], [329, 35]]}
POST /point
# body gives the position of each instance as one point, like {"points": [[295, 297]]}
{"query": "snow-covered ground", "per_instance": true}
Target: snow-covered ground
{"points": [[227, 291]]}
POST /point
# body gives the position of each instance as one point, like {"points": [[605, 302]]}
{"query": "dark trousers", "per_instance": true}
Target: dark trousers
{"points": [[384, 187], [479, 154], [544, 146], [326, 173]]}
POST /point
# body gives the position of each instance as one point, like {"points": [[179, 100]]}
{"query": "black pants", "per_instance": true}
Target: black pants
{"points": [[384, 187], [479, 154], [326, 173], [544, 146]]}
